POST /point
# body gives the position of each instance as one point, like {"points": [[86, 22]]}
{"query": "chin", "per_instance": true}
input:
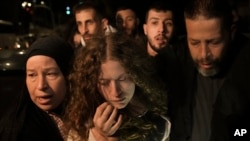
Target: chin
{"points": [[46, 108], [208, 72], [120, 106]]}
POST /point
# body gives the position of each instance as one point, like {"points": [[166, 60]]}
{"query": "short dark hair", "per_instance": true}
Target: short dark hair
{"points": [[125, 6], [160, 5], [209, 9], [100, 13]]}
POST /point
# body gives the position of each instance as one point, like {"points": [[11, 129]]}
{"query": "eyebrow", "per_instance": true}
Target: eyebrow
{"points": [[130, 17], [122, 75], [156, 18], [153, 18]]}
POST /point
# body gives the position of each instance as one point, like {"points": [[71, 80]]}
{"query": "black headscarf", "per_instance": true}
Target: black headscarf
{"points": [[24, 120], [54, 47]]}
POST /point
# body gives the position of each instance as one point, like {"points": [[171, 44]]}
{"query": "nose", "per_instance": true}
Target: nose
{"points": [[204, 51], [42, 83], [83, 29], [115, 89], [162, 28], [124, 24]]}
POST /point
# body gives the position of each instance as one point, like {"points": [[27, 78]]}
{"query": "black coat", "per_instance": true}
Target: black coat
{"points": [[24, 121]]}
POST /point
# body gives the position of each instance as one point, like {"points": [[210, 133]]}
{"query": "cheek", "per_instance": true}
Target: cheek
{"points": [[103, 91], [30, 87], [131, 25], [194, 52], [170, 29], [59, 93], [60, 88], [92, 28], [80, 29], [150, 34], [191, 49], [151, 30], [32, 93], [218, 52], [128, 88]]}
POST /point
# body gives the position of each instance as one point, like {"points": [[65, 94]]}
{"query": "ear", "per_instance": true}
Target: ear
{"points": [[104, 23], [145, 29], [233, 30]]}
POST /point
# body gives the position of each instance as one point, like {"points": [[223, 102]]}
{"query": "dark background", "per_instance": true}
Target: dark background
{"points": [[10, 10]]}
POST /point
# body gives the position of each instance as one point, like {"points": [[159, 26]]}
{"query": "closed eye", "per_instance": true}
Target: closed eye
{"points": [[52, 75], [89, 22], [104, 82], [194, 43], [215, 42], [31, 74], [122, 78]]}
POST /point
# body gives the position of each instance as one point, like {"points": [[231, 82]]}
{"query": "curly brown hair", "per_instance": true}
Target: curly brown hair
{"points": [[85, 97]]}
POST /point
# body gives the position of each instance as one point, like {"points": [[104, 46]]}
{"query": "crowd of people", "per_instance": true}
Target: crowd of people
{"points": [[137, 80]]}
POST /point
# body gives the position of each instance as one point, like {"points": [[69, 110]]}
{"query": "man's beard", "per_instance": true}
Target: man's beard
{"points": [[208, 72], [156, 49]]}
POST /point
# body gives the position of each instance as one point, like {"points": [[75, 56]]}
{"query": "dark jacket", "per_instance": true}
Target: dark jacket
{"points": [[231, 108], [167, 66]]}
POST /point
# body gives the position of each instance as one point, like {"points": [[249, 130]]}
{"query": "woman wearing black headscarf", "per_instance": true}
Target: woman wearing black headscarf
{"points": [[36, 114]]}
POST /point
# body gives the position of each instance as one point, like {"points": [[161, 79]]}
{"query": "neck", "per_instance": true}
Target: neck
{"points": [[136, 107], [151, 52]]}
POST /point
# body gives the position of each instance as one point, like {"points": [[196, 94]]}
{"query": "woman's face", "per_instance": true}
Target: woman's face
{"points": [[45, 82], [115, 85]]}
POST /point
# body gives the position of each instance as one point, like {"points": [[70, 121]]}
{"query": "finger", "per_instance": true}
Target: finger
{"points": [[107, 120], [100, 109], [118, 122], [113, 117], [107, 112], [100, 120], [115, 126]]}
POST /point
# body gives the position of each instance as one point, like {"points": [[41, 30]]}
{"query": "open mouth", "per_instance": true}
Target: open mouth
{"points": [[87, 37], [45, 99], [161, 39]]}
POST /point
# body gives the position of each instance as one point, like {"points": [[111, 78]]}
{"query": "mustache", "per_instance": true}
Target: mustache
{"points": [[163, 36], [206, 60], [209, 60]]}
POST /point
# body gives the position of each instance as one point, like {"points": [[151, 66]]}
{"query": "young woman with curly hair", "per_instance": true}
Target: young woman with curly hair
{"points": [[115, 93]]}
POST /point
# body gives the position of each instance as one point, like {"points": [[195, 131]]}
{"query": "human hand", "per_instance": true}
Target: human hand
{"points": [[106, 119]]}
